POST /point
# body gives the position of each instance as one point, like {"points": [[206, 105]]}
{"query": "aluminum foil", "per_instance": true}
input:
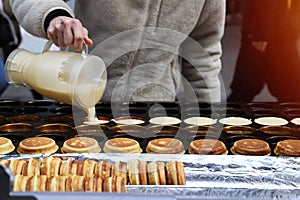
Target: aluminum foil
{"points": [[219, 177]]}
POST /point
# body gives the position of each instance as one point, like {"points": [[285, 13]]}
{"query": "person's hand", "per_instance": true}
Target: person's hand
{"points": [[66, 31], [260, 46]]}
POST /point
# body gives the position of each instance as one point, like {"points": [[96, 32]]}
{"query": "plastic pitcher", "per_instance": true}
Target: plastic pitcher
{"points": [[74, 78]]}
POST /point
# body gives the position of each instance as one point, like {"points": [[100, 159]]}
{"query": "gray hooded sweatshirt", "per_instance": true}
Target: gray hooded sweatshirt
{"points": [[154, 50]]}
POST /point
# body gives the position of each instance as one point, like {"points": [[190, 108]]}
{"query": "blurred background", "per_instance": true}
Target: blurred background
{"points": [[231, 44]]}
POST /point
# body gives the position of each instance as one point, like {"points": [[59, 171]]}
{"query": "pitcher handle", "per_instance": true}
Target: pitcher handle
{"points": [[48, 44]]}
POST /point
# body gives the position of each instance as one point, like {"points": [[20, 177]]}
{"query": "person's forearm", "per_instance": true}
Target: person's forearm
{"points": [[32, 14]]}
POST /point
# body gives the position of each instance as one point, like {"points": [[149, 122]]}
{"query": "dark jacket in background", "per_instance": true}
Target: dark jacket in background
{"points": [[266, 19], [278, 24], [16, 31]]}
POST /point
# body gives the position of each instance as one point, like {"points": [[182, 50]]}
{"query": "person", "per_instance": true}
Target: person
{"points": [[140, 43], [232, 11], [269, 52], [10, 40]]}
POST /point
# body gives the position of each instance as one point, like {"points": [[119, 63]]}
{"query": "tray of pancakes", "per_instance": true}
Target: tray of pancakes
{"points": [[165, 174]]}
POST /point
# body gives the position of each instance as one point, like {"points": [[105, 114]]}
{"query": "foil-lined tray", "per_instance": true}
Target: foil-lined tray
{"points": [[217, 177]]}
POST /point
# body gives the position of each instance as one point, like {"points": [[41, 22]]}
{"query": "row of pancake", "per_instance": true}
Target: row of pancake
{"points": [[164, 145], [133, 172]]}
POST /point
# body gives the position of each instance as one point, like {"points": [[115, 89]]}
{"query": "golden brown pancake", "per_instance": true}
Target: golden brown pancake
{"points": [[20, 183], [37, 145], [85, 168], [88, 184], [137, 172], [81, 145], [5, 162], [51, 184], [175, 173], [78, 184], [165, 146], [61, 183], [103, 169], [207, 147], [50, 166], [288, 148], [6, 146], [114, 184], [75, 183], [122, 145], [32, 184], [32, 167], [251, 147], [65, 167], [16, 166], [42, 183], [156, 173], [17, 183], [98, 184], [120, 169]]}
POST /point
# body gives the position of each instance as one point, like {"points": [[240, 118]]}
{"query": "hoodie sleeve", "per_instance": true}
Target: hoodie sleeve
{"points": [[202, 53], [32, 14]]}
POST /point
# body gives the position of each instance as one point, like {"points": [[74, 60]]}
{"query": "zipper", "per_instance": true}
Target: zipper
{"points": [[153, 11]]}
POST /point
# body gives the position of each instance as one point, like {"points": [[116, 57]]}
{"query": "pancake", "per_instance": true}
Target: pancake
{"points": [[20, 183], [200, 121], [129, 120], [6, 146], [17, 183], [296, 121], [122, 145], [98, 184], [165, 120], [103, 169], [37, 145], [52, 184], [16, 166], [42, 183], [88, 184], [93, 184], [32, 167], [165, 146], [78, 184], [251, 147], [81, 145], [50, 166], [156, 173], [207, 147], [288, 148], [65, 167], [114, 184], [32, 184], [137, 172], [86, 168], [75, 184], [120, 169], [271, 121], [73, 168], [61, 183], [5, 162], [235, 121], [175, 173]]}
